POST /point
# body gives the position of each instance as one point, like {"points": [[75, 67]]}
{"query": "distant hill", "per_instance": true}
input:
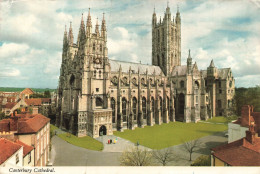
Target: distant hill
{"points": [[10, 89]]}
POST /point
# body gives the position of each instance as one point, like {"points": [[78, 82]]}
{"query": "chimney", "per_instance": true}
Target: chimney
{"points": [[250, 134], [245, 115], [35, 110]]}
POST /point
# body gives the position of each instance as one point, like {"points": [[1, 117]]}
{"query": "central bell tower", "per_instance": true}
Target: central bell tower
{"points": [[166, 41]]}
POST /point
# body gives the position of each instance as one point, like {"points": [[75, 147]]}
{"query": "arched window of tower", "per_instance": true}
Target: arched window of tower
{"points": [[99, 73], [182, 84], [100, 47], [94, 46], [99, 102]]}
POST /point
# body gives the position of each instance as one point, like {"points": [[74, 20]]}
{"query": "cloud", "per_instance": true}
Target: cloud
{"points": [[32, 34]]}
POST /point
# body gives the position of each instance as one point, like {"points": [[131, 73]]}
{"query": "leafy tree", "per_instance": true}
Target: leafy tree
{"points": [[2, 115], [164, 156], [47, 94], [136, 157], [203, 160]]}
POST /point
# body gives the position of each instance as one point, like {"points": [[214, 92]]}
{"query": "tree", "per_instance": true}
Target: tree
{"points": [[2, 115], [47, 94], [164, 156], [136, 157], [191, 146]]}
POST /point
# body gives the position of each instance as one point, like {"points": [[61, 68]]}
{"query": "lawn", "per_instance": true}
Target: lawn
{"points": [[173, 133], [222, 119], [85, 142]]}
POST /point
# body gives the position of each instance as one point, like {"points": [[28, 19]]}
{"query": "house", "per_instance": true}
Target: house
{"points": [[11, 153], [238, 128], [246, 150], [32, 130]]}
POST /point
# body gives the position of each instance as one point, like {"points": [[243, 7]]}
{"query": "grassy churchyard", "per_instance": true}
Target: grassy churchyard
{"points": [[85, 142], [173, 133]]}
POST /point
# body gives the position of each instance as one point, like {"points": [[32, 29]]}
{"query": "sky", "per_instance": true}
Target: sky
{"points": [[31, 35]]}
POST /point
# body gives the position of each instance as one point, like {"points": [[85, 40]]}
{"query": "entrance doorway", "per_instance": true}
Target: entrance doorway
{"points": [[102, 130]]}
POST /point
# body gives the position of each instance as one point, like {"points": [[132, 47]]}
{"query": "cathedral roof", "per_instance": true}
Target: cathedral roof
{"points": [[115, 64], [222, 73], [179, 70]]}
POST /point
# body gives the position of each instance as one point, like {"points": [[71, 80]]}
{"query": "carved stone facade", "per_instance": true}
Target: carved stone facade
{"points": [[97, 95]]}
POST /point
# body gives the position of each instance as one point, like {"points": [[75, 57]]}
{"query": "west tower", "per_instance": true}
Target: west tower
{"points": [[166, 41]]}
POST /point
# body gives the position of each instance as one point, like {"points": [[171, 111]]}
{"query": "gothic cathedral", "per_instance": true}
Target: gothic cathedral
{"points": [[97, 95]]}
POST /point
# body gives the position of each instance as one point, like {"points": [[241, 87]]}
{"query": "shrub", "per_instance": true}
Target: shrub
{"points": [[203, 160]]}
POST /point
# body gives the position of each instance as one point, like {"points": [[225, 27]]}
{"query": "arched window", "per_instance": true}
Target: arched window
{"points": [[100, 48], [182, 84], [172, 34], [230, 84], [134, 108], [161, 104], [113, 106], [158, 35], [158, 60], [144, 107], [94, 46], [152, 101], [72, 80], [95, 73], [99, 74], [124, 101], [99, 102]]}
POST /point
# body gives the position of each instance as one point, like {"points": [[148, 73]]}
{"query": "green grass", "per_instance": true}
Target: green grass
{"points": [[85, 142], [222, 119], [173, 133]]}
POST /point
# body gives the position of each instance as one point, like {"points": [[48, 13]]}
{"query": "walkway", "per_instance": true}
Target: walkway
{"points": [[120, 146]]}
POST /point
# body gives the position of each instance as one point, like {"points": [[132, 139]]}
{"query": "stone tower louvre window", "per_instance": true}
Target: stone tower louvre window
{"points": [[99, 102], [94, 46], [144, 107], [95, 73], [99, 74], [124, 109], [100, 48]]}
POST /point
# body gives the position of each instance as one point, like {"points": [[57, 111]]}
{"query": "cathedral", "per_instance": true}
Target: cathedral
{"points": [[97, 95]]}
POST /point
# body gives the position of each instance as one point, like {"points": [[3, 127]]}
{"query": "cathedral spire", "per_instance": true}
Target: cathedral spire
{"points": [[212, 63], [65, 37], [103, 27], [89, 24], [97, 28], [70, 36]]}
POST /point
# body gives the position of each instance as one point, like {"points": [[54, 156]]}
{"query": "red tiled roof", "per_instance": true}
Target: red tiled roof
{"points": [[26, 123], [7, 149], [10, 105], [27, 91], [26, 148], [33, 101], [46, 100], [239, 153]]}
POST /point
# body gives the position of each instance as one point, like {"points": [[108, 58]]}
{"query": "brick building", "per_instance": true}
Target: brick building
{"points": [[242, 151], [32, 130]]}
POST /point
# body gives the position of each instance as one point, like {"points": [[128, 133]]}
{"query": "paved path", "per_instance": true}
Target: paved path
{"points": [[120, 146], [69, 155], [65, 154]]}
